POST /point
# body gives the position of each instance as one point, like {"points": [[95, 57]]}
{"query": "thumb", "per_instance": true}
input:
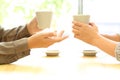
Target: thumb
{"points": [[92, 24]]}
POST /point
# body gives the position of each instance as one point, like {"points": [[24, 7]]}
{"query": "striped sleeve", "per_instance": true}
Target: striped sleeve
{"points": [[117, 52]]}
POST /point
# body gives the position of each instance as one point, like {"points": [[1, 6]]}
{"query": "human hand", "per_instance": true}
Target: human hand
{"points": [[44, 39], [32, 26], [85, 32], [94, 26]]}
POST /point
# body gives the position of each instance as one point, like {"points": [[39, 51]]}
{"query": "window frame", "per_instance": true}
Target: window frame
{"points": [[103, 26]]}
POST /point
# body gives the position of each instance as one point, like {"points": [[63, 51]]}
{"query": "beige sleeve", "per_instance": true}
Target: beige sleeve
{"points": [[13, 44], [14, 50], [117, 52]]}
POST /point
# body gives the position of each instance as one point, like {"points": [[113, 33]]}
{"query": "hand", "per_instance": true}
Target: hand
{"points": [[94, 26], [85, 32], [32, 26], [44, 39]]}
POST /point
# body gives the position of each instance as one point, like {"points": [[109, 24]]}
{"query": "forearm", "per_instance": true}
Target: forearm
{"points": [[106, 45], [114, 37], [14, 50]]}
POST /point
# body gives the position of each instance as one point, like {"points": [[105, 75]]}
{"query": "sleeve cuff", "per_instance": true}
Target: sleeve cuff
{"points": [[21, 45], [21, 48], [15, 50], [117, 52]]}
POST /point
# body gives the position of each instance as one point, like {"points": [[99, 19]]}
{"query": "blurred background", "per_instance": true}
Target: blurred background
{"points": [[105, 13]]}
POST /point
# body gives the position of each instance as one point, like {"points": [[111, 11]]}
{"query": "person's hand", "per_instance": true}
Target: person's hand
{"points": [[85, 32], [94, 26], [32, 26], [44, 39]]}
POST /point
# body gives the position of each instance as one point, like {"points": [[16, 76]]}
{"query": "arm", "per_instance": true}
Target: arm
{"points": [[109, 46], [90, 35], [105, 44], [114, 37], [14, 33], [12, 49], [16, 43]]}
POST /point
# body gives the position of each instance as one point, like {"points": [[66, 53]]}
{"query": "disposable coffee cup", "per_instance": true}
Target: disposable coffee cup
{"points": [[82, 18], [44, 19]]}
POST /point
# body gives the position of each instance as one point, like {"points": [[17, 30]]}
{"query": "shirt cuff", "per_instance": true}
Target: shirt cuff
{"points": [[117, 52], [21, 48], [21, 45]]}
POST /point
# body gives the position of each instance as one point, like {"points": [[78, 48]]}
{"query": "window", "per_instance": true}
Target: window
{"points": [[17, 12], [105, 13]]}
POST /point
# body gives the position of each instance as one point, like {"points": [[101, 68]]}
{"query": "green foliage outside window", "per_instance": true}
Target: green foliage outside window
{"points": [[26, 8]]}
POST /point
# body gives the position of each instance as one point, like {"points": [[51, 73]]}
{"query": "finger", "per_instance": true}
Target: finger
{"points": [[55, 32], [58, 39], [34, 21], [92, 24], [77, 36], [61, 33], [48, 34], [64, 37], [76, 27], [75, 31], [78, 23]]}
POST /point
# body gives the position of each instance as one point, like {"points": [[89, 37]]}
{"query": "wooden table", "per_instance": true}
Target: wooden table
{"points": [[69, 65]]}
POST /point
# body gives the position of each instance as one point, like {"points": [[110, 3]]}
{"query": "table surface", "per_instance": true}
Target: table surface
{"points": [[69, 65]]}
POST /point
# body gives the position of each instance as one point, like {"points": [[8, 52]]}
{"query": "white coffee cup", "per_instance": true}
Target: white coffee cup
{"points": [[82, 18], [44, 19]]}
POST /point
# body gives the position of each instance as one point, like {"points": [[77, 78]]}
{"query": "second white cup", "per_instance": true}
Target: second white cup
{"points": [[82, 18], [44, 19]]}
